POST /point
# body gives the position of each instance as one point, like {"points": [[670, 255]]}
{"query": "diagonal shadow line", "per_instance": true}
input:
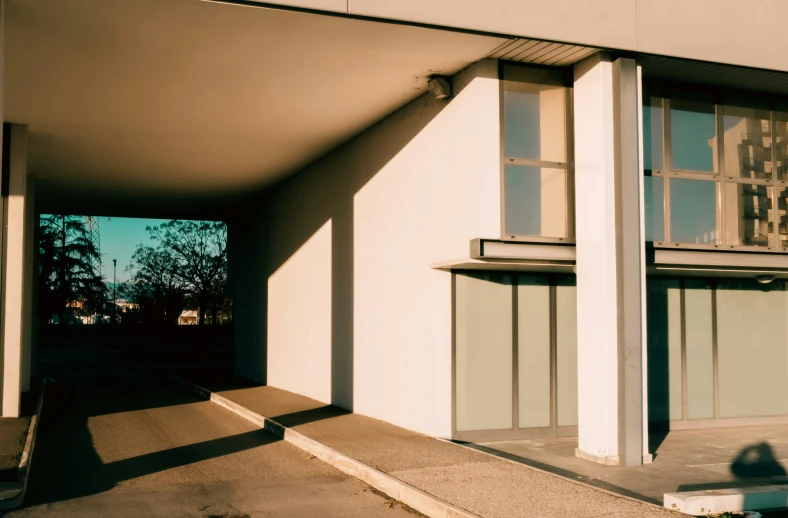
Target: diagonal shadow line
{"points": [[571, 475], [155, 462]]}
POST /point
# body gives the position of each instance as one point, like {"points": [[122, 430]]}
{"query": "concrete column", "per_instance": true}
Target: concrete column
{"points": [[14, 260], [29, 299], [610, 262]]}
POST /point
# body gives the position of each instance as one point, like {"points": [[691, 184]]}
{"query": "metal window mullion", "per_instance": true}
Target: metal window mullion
{"points": [[569, 172], [721, 191], [515, 357], [715, 352], [502, 146], [775, 183], [666, 164], [553, 357], [683, 319], [532, 162]]}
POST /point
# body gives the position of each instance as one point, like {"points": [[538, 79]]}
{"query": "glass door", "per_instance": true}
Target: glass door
{"points": [[515, 356]]}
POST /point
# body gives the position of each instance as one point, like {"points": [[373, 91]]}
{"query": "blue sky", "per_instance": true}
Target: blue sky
{"points": [[119, 239]]}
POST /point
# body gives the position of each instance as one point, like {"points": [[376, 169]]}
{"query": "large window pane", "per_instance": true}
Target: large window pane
{"points": [[748, 215], [748, 143], [782, 215], [663, 305], [692, 135], [693, 211], [535, 121], [654, 196], [652, 134], [700, 365], [533, 346], [535, 201], [483, 352], [566, 344], [781, 143], [752, 346]]}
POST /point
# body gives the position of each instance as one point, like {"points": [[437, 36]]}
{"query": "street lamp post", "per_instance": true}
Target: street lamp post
{"points": [[114, 289]]}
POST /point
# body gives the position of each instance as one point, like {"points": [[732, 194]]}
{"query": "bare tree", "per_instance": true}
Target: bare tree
{"points": [[155, 286], [199, 252]]}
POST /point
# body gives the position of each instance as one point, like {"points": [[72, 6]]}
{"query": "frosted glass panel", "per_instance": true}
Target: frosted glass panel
{"points": [[533, 336], [700, 368], [566, 329], [535, 121], [483, 352], [663, 306], [752, 348]]}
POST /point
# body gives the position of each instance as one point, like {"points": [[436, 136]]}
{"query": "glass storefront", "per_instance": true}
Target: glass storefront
{"points": [[717, 349], [515, 356]]}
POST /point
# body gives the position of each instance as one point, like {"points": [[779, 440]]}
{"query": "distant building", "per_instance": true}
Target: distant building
{"points": [[188, 317]]}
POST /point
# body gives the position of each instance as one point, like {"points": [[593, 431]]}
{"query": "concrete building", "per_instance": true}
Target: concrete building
{"points": [[477, 222]]}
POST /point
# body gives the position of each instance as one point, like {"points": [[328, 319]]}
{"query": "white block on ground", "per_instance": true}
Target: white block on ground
{"points": [[714, 501]]}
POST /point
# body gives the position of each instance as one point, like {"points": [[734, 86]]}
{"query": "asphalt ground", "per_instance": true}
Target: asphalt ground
{"points": [[140, 446]]}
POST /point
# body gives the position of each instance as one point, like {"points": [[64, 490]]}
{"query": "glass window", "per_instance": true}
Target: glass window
{"points": [[483, 352], [654, 195], [664, 349], [652, 134], [782, 215], [533, 358], [781, 143], [748, 143], [535, 201], [693, 211], [700, 366], [752, 348], [748, 215], [566, 353], [692, 135], [535, 121]]}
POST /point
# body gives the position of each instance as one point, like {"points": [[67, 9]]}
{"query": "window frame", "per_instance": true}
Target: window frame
{"points": [[548, 76], [668, 172]]}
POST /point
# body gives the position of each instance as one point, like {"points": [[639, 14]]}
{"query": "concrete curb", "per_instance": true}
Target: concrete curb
{"points": [[14, 497], [419, 500]]}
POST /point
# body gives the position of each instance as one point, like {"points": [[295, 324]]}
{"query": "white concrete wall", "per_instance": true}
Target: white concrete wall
{"points": [[356, 315], [708, 30]]}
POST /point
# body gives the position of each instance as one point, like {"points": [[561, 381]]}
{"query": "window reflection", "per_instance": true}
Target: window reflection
{"points": [[693, 211], [535, 121], [535, 202], [692, 135], [782, 217], [781, 143], [748, 214], [747, 143]]}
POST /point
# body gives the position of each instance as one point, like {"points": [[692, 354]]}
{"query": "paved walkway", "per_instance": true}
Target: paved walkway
{"points": [[138, 447], [480, 483], [688, 460]]}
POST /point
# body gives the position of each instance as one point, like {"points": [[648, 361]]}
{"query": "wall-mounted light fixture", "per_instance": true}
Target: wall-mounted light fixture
{"points": [[764, 279], [439, 86]]}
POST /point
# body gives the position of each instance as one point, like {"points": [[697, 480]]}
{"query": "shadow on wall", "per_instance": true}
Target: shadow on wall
{"points": [[308, 202]]}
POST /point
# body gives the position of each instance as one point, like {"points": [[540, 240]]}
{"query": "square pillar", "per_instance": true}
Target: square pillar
{"points": [[610, 262], [13, 264]]}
